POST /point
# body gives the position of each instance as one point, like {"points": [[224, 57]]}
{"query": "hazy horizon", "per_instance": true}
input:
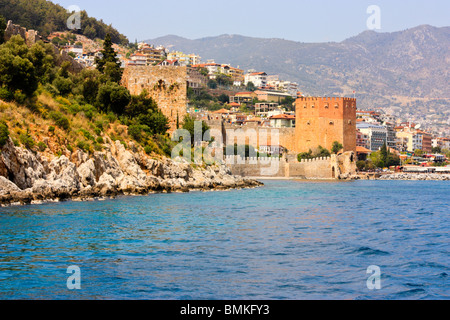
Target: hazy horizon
{"points": [[242, 35], [294, 20]]}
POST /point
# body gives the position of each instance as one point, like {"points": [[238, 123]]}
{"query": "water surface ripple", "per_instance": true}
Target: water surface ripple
{"points": [[287, 240]]}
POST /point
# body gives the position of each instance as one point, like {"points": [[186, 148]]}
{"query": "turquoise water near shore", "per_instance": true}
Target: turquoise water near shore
{"points": [[286, 240]]}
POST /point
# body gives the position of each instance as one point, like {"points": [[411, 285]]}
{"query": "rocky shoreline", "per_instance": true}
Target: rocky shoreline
{"points": [[416, 177], [28, 177]]}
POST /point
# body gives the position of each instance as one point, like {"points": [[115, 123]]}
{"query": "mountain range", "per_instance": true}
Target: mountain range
{"points": [[406, 72]]}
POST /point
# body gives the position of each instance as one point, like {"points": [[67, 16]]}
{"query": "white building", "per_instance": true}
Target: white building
{"points": [[377, 134], [259, 79]]}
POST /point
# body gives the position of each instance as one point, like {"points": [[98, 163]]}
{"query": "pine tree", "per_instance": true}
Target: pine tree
{"points": [[384, 153], [109, 55]]}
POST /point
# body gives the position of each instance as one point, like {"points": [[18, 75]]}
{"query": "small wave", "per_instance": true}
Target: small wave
{"points": [[410, 293], [369, 251]]}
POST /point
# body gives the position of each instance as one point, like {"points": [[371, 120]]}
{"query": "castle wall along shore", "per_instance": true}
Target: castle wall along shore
{"points": [[319, 122]]}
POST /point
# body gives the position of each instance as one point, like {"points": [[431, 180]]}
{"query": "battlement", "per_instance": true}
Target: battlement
{"points": [[348, 102], [326, 99]]}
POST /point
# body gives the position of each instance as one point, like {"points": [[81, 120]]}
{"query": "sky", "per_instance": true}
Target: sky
{"points": [[297, 20]]}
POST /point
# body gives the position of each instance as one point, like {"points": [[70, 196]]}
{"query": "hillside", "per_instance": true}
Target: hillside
{"points": [[47, 17], [407, 69]]}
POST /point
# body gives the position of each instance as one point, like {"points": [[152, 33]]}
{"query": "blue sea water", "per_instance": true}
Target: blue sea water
{"points": [[288, 240]]}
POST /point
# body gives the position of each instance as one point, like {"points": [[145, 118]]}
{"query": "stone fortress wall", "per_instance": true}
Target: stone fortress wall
{"points": [[321, 121], [341, 166], [167, 85], [30, 36]]}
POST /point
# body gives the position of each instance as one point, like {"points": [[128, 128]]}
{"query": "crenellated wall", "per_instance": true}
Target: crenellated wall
{"points": [[323, 168]]}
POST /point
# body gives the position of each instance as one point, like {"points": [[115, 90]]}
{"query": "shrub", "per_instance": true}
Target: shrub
{"points": [[51, 89], [111, 117], [148, 149], [305, 156], [100, 140], [60, 120], [361, 165], [99, 124], [51, 129], [27, 140], [98, 147], [336, 147], [84, 145], [136, 132], [42, 146], [5, 94], [87, 134], [20, 97], [4, 133], [97, 131]]}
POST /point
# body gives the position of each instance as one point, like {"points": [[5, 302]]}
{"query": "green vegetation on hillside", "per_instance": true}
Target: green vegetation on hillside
{"points": [[44, 100], [2, 28], [47, 17]]}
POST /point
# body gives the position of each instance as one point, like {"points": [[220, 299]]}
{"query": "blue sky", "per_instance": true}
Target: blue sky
{"points": [[298, 20]]}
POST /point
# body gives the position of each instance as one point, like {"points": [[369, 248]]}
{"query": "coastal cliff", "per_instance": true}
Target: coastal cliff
{"points": [[30, 177]]}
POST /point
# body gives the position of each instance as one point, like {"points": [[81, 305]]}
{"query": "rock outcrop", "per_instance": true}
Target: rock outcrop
{"points": [[415, 176], [28, 177]]}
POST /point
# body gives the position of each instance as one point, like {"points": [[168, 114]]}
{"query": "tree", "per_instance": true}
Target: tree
{"points": [[436, 150], [224, 98], [224, 80], [109, 55], [384, 153], [419, 153], [16, 70], [336, 147], [305, 155], [112, 73], [322, 152], [288, 101], [2, 29], [212, 84], [144, 112], [189, 125], [90, 84], [113, 97], [361, 165], [250, 86], [43, 58]]}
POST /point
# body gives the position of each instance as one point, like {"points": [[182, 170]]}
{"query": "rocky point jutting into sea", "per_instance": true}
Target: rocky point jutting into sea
{"points": [[29, 177], [415, 176]]}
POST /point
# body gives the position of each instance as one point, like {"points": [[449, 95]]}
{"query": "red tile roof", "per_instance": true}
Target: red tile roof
{"points": [[283, 117]]}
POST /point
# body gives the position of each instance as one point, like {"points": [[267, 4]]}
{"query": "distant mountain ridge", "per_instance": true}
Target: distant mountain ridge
{"points": [[401, 69]]}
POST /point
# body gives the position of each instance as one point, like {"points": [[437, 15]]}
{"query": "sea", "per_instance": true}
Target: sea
{"points": [[288, 240]]}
